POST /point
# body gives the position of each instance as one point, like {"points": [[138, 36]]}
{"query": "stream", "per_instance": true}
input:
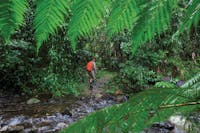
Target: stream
{"points": [[49, 115], [52, 115]]}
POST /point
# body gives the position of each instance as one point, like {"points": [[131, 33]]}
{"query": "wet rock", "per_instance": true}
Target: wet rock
{"points": [[195, 119], [25, 125], [15, 129], [165, 125], [169, 126], [44, 123], [4, 129], [157, 130], [61, 125], [161, 127], [33, 101], [15, 121], [82, 98], [42, 129], [51, 131], [180, 122], [98, 96], [67, 112], [120, 98], [16, 96], [178, 130], [52, 101], [31, 130], [180, 83]]}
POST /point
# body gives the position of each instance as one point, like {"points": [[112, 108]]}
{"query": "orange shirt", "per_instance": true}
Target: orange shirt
{"points": [[90, 66]]}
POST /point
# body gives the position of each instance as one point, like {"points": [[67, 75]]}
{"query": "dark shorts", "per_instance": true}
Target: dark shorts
{"points": [[91, 74]]}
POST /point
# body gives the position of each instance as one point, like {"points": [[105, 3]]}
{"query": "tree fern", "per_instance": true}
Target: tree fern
{"points": [[49, 15], [143, 18], [139, 112], [192, 15], [123, 15], [154, 18], [192, 82], [86, 16], [164, 84], [11, 16]]}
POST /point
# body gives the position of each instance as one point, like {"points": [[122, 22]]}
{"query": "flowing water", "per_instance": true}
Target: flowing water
{"points": [[50, 115]]}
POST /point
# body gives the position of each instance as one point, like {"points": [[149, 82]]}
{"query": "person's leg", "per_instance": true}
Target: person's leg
{"points": [[93, 75], [90, 80]]}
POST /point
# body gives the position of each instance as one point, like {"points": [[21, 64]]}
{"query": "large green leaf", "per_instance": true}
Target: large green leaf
{"points": [[49, 15], [123, 15], [192, 16], [11, 16], [154, 18], [86, 17]]}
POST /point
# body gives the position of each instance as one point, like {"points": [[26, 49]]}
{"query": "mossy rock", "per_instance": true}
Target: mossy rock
{"points": [[33, 101]]}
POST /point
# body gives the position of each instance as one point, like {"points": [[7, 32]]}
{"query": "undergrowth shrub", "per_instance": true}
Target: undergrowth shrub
{"points": [[134, 78], [22, 71], [17, 59]]}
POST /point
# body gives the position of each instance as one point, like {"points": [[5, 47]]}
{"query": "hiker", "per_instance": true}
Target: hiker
{"points": [[91, 69], [194, 57]]}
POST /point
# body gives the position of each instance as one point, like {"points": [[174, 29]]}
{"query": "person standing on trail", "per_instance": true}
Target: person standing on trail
{"points": [[91, 69]]}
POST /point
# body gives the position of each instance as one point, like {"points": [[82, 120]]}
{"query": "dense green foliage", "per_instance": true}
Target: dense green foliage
{"points": [[80, 18], [49, 14], [11, 16], [144, 18], [111, 30], [22, 70], [193, 83]]}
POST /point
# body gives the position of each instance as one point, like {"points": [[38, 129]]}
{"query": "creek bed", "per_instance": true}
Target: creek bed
{"points": [[50, 115]]}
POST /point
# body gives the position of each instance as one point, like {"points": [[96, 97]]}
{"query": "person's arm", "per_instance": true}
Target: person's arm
{"points": [[95, 68]]}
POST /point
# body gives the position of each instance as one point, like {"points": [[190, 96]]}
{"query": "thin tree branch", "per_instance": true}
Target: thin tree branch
{"points": [[178, 105]]}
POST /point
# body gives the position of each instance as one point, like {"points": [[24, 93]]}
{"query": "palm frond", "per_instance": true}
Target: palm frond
{"points": [[154, 18], [192, 16], [193, 82], [139, 112], [86, 16], [49, 15], [123, 15], [11, 16], [164, 84]]}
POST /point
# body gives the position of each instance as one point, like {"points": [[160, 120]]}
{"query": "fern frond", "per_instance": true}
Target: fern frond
{"points": [[154, 19], [49, 15], [193, 82], [192, 16], [11, 16], [164, 84], [123, 15], [86, 16]]}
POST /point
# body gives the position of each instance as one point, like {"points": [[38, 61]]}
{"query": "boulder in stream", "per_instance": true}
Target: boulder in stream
{"points": [[12, 129], [33, 101], [61, 125]]}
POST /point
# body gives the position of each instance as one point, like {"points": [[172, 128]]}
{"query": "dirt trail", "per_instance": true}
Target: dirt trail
{"points": [[103, 78], [98, 86]]}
